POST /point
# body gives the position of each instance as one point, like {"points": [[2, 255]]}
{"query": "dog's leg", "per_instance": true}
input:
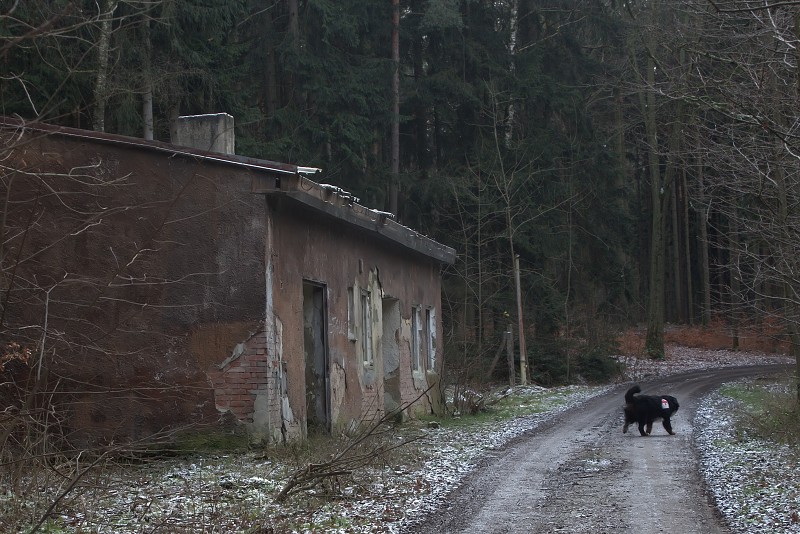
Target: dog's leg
{"points": [[649, 427], [628, 416], [641, 427], [668, 426]]}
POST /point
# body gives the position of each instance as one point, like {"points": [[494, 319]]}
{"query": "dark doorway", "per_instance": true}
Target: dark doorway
{"points": [[315, 347], [391, 354]]}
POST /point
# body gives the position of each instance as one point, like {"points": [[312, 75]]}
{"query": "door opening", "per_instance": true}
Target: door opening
{"points": [[315, 347], [391, 354]]}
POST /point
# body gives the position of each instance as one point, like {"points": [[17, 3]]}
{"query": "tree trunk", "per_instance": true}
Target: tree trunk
{"points": [[735, 277], [420, 109], [654, 342], [512, 375], [147, 111], [687, 250], [294, 23], [147, 76], [295, 95], [676, 258], [702, 223], [101, 82], [270, 69], [794, 334], [174, 113], [523, 353], [512, 47], [395, 141]]}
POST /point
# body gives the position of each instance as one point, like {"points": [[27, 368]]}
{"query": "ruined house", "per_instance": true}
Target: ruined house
{"points": [[156, 285]]}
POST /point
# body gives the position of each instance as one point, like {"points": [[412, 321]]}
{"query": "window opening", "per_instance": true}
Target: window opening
{"points": [[351, 315], [366, 327], [416, 338], [430, 337]]}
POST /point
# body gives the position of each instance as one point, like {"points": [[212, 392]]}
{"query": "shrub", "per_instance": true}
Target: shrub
{"points": [[571, 361]]}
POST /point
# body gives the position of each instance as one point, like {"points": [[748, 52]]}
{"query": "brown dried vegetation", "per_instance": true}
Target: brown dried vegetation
{"points": [[718, 335]]}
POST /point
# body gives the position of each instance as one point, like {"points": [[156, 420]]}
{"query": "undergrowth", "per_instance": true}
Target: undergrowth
{"points": [[763, 336], [505, 404], [769, 410]]}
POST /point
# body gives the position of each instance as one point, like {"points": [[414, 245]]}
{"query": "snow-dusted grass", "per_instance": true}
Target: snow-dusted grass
{"points": [[754, 479], [234, 493]]}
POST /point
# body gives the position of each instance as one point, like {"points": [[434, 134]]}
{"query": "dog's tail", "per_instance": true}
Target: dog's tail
{"points": [[631, 392]]}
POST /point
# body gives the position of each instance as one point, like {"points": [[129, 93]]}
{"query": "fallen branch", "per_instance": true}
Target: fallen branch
{"points": [[347, 460]]}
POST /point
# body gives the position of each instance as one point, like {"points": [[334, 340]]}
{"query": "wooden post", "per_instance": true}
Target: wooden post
{"points": [[497, 354], [510, 354], [523, 354]]}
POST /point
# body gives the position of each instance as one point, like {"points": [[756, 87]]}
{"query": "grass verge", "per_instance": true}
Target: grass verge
{"points": [[769, 410]]}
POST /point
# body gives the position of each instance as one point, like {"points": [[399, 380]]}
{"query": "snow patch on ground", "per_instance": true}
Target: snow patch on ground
{"points": [[755, 484], [680, 359]]}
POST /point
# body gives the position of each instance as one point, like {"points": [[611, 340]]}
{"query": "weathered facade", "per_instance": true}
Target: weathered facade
{"points": [[166, 285]]}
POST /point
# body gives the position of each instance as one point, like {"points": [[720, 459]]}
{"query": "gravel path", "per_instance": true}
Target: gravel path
{"points": [[580, 474]]}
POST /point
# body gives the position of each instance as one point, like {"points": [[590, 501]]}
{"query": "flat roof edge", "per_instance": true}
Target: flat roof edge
{"points": [[380, 226], [158, 146]]}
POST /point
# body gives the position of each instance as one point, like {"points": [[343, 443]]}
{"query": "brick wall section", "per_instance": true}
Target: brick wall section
{"points": [[372, 405], [239, 381]]}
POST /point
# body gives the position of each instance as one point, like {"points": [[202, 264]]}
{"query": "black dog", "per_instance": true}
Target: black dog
{"points": [[644, 409]]}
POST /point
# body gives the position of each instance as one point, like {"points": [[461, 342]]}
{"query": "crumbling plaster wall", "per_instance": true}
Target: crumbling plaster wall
{"points": [[370, 370], [424, 290], [308, 246]]}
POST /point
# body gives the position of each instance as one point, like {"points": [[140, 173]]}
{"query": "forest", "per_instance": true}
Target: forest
{"points": [[638, 160]]}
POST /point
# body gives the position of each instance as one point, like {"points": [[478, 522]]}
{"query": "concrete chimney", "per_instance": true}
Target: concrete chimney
{"points": [[212, 132]]}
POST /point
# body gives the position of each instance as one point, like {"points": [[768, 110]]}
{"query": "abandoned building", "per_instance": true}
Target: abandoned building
{"points": [[157, 286]]}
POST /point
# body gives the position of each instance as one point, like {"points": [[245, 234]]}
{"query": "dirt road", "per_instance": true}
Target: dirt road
{"points": [[580, 473]]}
